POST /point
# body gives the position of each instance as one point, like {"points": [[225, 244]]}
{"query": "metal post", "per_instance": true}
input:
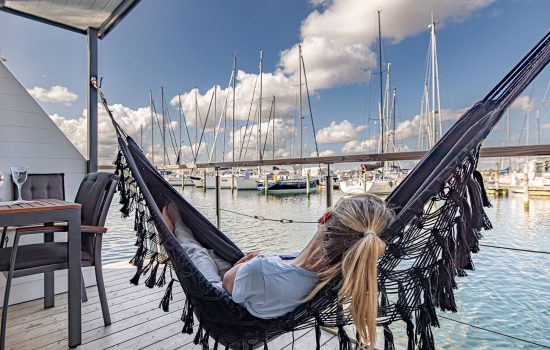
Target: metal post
{"points": [[497, 178], [218, 219], [92, 150], [328, 182], [525, 187], [307, 183]]}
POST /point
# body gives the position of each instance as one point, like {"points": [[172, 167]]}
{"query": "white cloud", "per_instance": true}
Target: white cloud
{"points": [[247, 138], [338, 44], [339, 132], [131, 121], [273, 84], [523, 103], [358, 146], [325, 153], [56, 94], [339, 36]]}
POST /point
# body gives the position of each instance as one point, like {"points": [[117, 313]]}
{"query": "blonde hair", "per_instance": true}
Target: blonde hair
{"points": [[351, 247]]}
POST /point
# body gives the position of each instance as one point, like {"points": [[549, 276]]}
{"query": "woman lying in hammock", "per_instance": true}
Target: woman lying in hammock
{"points": [[346, 242]]}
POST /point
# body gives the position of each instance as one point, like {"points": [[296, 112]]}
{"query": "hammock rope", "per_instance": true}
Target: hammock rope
{"points": [[438, 224]]}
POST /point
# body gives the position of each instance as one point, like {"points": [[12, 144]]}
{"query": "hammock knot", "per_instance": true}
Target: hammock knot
{"points": [[396, 250]]}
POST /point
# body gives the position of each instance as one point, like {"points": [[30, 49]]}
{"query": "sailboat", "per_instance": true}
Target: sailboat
{"points": [[380, 182]]}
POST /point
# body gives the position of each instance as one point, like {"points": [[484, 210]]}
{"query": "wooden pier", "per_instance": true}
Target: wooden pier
{"points": [[138, 322]]}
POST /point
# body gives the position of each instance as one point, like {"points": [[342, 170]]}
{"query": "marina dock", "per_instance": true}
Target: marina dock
{"points": [[138, 322]]}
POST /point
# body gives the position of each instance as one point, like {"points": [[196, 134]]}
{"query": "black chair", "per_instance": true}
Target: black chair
{"points": [[95, 194]]}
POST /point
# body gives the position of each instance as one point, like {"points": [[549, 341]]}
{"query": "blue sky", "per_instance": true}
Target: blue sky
{"points": [[183, 44]]}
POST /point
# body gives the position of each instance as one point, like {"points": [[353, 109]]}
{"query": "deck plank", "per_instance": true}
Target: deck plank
{"points": [[137, 322]]}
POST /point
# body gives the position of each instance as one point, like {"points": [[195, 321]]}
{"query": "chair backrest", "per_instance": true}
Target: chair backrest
{"points": [[95, 194], [42, 186]]}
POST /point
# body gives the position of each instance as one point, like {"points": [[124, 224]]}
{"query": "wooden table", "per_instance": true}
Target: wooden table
{"points": [[54, 210]]}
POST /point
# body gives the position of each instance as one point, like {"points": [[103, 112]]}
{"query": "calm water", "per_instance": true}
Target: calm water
{"points": [[508, 292]]}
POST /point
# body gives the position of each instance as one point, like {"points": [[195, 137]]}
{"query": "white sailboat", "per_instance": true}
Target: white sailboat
{"points": [[380, 183]]}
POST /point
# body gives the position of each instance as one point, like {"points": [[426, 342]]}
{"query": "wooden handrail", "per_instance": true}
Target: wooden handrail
{"points": [[487, 152]]}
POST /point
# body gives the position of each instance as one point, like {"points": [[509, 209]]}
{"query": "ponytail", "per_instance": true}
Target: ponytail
{"points": [[351, 248], [360, 285]]}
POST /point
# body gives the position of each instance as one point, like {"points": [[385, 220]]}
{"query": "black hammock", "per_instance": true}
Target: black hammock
{"points": [[439, 216]]}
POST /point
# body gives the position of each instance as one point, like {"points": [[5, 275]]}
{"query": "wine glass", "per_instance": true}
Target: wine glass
{"points": [[19, 176]]}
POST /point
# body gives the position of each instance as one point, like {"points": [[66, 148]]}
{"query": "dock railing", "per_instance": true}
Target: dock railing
{"points": [[485, 152]]}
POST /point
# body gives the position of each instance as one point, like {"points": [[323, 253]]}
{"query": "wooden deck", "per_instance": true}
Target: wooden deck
{"points": [[137, 322]]}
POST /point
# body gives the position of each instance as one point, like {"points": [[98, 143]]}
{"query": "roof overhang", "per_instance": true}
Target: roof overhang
{"points": [[73, 15]]}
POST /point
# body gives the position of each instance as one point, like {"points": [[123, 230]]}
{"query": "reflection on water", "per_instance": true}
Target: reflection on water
{"points": [[509, 291]]}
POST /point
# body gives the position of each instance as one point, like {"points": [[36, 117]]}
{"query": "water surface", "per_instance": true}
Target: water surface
{"points": [[509, 291]]}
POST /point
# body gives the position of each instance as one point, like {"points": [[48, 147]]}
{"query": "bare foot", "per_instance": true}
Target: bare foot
{"points": [[167, 218]]}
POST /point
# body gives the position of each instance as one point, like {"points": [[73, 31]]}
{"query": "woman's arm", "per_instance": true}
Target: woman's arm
{"points": [[229, 277]]}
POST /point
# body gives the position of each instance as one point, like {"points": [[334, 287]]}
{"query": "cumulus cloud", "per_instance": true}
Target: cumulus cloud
{"points": [[339, 36], [339, 132], [55, 94], [523, 103], [338, 44], [247, 140], [131, 120], [196, 106], [325, 153], [360, 146]]}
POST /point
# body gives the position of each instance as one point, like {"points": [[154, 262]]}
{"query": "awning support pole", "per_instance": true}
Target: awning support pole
{"points": [[92, 150]]}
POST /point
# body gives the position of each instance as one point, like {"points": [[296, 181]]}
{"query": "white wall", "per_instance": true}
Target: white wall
{"points": [[29, 137]]}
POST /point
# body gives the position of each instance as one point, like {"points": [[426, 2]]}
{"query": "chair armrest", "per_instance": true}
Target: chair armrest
{"points": [[93, 229], [40, 229], [58, 228]]}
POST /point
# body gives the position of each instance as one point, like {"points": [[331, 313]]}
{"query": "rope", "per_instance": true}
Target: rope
{"points": [[292, 221], [517, 249], [263, 218], [495, 332]]}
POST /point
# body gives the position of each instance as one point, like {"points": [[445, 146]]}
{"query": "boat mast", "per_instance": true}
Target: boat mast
{"points": [[196, 121], [436, 99], [386, 107], [215, 114], [273, 131], [393, 119], [300, 96], [381, 111], [234, 86], [152, 128], [163, 126], [181, 141], [538, 128], [260, 106]]}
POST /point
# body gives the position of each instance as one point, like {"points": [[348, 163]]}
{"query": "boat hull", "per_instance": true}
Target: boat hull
{"points": [[288, 187]]}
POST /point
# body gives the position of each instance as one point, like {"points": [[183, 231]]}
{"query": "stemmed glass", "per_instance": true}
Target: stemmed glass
{"points": [[19, 176]]}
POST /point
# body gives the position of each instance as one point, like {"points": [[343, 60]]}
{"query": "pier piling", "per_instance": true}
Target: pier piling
{"points": [[525, 188], [218, 218], [265, 184], [204, 180], [328, 182], [182, 181], [497, 179], [307, 183]]}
